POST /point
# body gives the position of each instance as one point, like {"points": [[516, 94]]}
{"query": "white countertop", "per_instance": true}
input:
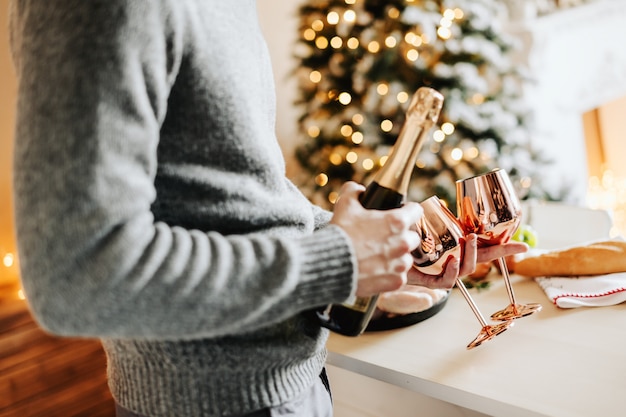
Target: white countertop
{"points": [[557, 363]]}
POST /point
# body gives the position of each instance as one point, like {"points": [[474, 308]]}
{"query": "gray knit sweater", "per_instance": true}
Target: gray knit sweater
{"points": [[152, 206]]}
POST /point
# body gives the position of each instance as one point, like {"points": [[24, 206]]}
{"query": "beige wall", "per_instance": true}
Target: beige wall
{"points": [[279, 21]]}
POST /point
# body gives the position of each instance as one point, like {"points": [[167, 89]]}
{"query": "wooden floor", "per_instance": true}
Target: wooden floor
{"points": [[46, 376]]}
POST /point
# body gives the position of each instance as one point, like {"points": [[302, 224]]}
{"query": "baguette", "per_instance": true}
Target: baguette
{"points": [[596, 258]]}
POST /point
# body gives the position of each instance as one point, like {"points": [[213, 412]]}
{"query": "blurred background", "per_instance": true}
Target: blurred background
{"points": [[535, 87]]}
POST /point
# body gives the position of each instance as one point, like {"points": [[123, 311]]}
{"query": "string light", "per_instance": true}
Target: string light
{"points": [[336, 42], [412, 39], [439, 136], [447, 128], [357, 138], [449, 14], [8, 260], [317, 25], [313, 131], [472, 153], [352, 43], [315, 76], [445, 23], [332, 18], [402, 97], [393, 13], [352, 157], [526, 182], [390, 41], [335, 159], [357, 119], [386, 125], [373, 47], [478, 98], [444, 32], [345, 98], [321, 42], [412, 55], [368, 164], [321, 179]]}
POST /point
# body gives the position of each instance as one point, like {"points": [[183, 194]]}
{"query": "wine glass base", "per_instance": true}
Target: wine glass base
{"points": [[516, 311], [489, 332]]}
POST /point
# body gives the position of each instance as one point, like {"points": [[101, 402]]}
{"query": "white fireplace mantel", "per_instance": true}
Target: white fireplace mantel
{"points": [[577, 62]]}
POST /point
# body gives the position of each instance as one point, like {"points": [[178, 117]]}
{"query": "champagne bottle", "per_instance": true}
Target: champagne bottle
{"points": [[388, 190]]}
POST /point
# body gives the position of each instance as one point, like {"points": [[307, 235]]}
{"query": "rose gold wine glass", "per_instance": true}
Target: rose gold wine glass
{"points": [[489, 207], [441, 234]]}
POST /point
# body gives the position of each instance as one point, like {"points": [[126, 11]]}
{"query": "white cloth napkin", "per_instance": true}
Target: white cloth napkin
{"points": [[593, 291]]}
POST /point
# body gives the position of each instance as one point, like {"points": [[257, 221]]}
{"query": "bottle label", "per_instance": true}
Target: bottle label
{"points": [[360, 304]]}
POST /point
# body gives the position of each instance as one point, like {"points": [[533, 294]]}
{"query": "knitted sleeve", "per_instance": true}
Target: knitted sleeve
{"points": [[93, 85]]}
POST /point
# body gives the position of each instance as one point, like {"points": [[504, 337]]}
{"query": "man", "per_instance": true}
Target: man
{"points": [[153, 212]]}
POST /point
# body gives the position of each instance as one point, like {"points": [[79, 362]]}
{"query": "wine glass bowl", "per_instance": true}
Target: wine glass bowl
{"points": [[489, 207], [442, 235]]}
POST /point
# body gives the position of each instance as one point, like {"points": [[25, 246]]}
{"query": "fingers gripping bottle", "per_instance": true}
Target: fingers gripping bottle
{"points": [[388, 190]]}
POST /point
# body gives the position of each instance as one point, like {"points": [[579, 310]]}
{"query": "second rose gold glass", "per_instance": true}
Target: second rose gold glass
{"points": [[488, 206], [442, 235]]}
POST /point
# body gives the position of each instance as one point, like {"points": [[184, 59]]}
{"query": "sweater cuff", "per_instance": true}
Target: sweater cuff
{"points": [[329, 267]]}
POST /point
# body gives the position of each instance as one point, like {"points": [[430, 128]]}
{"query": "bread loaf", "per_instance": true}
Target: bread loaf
{"points": [[593, 259]]}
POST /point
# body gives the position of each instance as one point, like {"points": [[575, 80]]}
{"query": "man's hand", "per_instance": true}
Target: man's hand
{"points": [[382, 240], [470, 256]]}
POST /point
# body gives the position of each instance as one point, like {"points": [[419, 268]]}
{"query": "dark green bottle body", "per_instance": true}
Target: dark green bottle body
{"points": [[352, 319]]}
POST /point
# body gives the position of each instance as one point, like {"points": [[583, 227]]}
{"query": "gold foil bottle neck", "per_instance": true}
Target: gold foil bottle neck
{"points": [[422, 114], [425, 105]]}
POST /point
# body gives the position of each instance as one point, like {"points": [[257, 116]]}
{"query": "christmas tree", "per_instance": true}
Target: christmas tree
{"points": [[360, 61]]}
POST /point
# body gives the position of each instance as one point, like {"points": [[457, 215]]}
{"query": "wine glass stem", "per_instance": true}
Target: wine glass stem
{"points": [[470, 301], [507, 280]]}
